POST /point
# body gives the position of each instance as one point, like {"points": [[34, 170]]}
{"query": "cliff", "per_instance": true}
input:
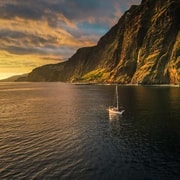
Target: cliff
{"points": [[143, 47]]}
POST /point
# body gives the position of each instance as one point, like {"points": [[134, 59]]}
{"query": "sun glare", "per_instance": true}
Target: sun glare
{"points": [[7, 75]]}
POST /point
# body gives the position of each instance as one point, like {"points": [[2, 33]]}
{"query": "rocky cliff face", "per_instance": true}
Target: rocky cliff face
{"points": [[143, 47]]}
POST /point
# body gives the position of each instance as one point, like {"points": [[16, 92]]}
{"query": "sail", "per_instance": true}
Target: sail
{"points": [[117, 97], [115, 109]]}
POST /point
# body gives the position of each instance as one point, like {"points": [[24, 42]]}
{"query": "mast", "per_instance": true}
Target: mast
{"points": [[117, 97]]}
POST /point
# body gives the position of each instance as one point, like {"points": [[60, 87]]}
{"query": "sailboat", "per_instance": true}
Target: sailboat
{"points": [[116, 109]]}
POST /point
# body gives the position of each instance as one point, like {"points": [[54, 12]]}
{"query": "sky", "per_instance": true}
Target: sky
{"points": [[39, 32]]}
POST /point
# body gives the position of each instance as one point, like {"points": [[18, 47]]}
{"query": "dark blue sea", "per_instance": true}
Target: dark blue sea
{"points": [[64, 131]]}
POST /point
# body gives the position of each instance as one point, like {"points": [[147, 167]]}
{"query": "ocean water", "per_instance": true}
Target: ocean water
{"points": [[64, 131]]}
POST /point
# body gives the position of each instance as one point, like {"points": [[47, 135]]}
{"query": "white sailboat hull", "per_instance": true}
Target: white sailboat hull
{"points": [[115, 110]]}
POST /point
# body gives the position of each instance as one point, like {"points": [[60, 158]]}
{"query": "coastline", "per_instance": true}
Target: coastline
{"points": [[119, 84], [97, 83]]}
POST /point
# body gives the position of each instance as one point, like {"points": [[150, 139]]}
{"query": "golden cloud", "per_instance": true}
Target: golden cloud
{"points": [[26, 44]]}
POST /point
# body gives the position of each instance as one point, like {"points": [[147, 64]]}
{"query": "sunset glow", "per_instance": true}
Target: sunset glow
{"points": [[34, 33]]}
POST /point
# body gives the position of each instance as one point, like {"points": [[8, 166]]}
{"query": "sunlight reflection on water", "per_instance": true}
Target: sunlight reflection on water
{"points": [[56, 130]]}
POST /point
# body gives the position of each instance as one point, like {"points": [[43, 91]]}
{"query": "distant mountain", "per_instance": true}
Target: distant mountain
{"points": [[22, 77], [143, 47]]}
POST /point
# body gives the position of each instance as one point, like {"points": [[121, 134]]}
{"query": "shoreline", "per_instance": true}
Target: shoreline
{"points": [[93, 83], [119, 84]]}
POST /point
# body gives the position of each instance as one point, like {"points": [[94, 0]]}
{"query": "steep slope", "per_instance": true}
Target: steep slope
{"points": [[143, 47], [50, 72]]}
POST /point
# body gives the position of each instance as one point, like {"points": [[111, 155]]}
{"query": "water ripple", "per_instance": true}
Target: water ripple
{"points": [[56, 131]]}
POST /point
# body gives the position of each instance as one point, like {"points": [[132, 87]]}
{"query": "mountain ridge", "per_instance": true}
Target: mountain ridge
{"points": [[142, 48]]}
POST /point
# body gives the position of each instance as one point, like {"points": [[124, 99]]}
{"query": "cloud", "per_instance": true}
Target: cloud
{"points": [[44, 31], [35, 36]]}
